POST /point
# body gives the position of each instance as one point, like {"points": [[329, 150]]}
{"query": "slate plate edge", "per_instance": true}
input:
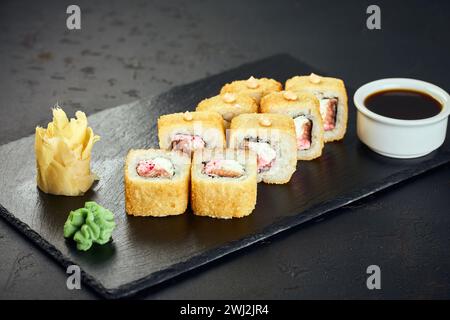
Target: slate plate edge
{"points": [[155, 278], [134, 287]]}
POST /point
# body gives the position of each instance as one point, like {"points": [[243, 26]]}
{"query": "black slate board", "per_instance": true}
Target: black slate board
{"points": [[148, 251]]}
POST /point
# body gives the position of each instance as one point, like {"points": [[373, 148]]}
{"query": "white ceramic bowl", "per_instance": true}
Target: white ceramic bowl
{"points": [[401, 138]]}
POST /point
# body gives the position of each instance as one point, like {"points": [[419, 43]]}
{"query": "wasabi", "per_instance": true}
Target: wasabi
{"points": [[90, 224]]}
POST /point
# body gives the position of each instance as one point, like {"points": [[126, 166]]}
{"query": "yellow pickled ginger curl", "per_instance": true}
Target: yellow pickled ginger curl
{"points": [[63, 155]]}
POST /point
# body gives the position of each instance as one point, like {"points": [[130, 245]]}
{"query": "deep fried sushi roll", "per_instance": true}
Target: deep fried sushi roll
{"points": [[190, 131], [303, 108], [156, 182], [253, 87], [272, 138], [229, 105], [332, 98], [223, 183]]}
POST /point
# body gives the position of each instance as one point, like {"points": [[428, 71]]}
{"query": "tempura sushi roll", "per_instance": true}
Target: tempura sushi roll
{"points": [[229, 105], [303, 108], [223, 183], [190, 131], [253, 87], [156, 182], [272, 138], [332, 98]]}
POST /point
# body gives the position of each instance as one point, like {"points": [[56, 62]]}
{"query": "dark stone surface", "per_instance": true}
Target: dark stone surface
{"points": [[127, 50], [146, 252]]}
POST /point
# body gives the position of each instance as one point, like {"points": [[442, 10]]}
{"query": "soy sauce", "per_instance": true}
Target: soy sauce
{"points": [[403, 104]]}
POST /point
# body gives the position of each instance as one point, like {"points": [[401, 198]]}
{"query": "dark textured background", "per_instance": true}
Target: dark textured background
{"points": [[131, 49]]}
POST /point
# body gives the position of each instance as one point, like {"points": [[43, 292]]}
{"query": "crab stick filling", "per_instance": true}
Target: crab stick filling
{"points": [[328, 108], [223, 168], [155, 168], [187, 143], [264, 152], [303, 128]]}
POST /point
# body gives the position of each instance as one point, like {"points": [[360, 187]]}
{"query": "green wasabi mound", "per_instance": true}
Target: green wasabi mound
{"points": [[90, 224]]}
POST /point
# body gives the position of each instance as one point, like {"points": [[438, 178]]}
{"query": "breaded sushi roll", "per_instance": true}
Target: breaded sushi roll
{"points": [[332, 98], [190, 131], [223, 183], [272, 138], [156, 182], [253, 87], [303, 108], [229, 105]]}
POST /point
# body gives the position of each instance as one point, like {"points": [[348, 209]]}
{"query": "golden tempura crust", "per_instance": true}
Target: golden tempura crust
{"points": [[204, 120], [223, 198], [293, 104], [209, 118], [256, 121], [156, 197], [298, 83], [329, 85], [268, 126], [264, 87], [228, 106], [272, 103]]}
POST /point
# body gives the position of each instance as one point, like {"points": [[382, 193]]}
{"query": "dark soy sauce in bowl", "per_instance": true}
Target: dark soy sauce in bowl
{"points": [[403, 104]]}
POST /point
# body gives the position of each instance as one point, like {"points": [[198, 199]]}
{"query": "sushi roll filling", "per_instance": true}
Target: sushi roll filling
{"points": [[265, 153], [158, 167], [187, 143], [223, 168], [303, 128], [328, 111]]}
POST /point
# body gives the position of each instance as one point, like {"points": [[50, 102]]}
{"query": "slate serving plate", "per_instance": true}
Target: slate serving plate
{"points": [[148, 251]]}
